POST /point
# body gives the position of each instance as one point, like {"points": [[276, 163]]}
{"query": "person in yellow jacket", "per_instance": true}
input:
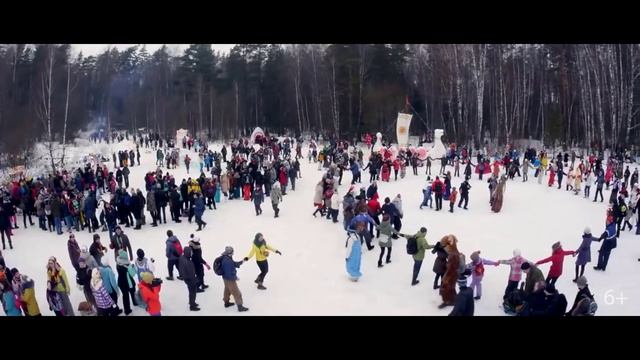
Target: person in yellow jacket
{"points": [[24, 287], [194, 187], [59, 288], [261, 250]]}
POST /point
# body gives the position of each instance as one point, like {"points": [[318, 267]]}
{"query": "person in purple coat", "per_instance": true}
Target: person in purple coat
{"points": [[477, 272], [584, 253]]}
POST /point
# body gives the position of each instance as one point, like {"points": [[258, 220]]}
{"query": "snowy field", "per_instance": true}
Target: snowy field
{"points": [[310, 277]]}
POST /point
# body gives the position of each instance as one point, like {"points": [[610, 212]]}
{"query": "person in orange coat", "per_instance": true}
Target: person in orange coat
{"points": [[150, 293], [557, 262], [452, 198]]}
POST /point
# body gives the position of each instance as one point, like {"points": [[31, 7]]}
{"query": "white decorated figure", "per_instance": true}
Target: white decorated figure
{"points": [[378, 145], [438, 150]]}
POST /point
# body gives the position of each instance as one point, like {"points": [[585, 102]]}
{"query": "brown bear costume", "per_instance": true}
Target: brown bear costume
{"points": [[455, 264]]}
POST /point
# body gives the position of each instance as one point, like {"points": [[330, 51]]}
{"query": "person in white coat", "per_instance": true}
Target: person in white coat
{"points": [[335, 205], [588, 179]]}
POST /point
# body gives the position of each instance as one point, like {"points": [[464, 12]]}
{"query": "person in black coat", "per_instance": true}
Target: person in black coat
{"points": [[185, 194], [464, 305], [583, 292], [464, 194], [188, 273], [198, 263], [161, 203], [174, 199], [5, 225], [440, 264]]}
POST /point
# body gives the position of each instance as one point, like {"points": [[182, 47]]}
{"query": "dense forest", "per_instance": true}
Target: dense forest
{"points": [[577, 94]]}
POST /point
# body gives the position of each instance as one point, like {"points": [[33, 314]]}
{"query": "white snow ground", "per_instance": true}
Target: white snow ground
{"points": [[310, 277]]}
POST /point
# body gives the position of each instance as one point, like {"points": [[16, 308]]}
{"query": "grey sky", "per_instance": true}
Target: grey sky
{"points": [[94, 49]]}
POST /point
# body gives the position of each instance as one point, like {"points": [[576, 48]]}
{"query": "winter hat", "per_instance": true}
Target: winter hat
{"points": [[147, 277], [140, 253], [516, 252], [228, 250], [475, 256], [122, 259], [96, 280], [195, 239], [581, 282], [169, 233], [423, 230], [525, 266], [556, 246], [587, 231], [257, 237]]}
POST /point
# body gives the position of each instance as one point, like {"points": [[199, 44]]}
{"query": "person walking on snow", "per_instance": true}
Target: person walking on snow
{"points": [[557, 262], [198, 262], [385, 241], [188, 273], [353, 257], [258, 199], [173, 251], [261, 250], [276, 198], [418, 257], [230, 279]]}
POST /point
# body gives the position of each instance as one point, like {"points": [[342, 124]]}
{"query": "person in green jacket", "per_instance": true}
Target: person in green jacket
{"points": [[421, 239], [534, 275]]}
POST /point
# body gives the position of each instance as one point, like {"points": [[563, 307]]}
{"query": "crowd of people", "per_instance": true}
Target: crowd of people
{"points": [[96, 199]]}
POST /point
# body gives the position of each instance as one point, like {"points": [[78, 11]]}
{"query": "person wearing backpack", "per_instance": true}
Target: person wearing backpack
{"points": [[261, 250], [173, 251], [226, 267], [150, 293], [583, 293], [416, 246]]}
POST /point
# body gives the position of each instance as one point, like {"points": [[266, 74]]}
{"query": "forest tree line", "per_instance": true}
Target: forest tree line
{"points": [[573, 94]]}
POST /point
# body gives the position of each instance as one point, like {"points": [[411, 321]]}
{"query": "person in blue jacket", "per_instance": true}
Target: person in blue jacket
{"points": [[355, 171], [230, 279], [362, 233], [609, 243], [199, 211]]}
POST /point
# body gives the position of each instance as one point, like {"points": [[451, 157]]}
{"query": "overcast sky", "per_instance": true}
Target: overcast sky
{"points": [[94, 49]]}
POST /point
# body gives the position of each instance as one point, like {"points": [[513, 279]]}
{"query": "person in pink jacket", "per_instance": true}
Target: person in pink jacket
{"points": [[557, 262], [515, 275]]}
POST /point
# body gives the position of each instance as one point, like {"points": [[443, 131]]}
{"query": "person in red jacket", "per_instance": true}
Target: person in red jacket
{"points": [[283, 179], [396, 167], [557, 261], [374, 211], [150, 293], [438, 188]]}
